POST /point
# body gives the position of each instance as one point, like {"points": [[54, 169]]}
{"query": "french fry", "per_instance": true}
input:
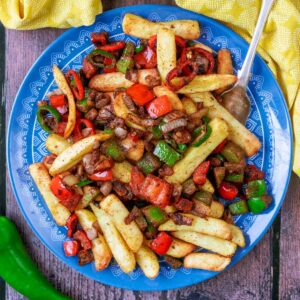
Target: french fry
{"points": [[224, 66], [109, 82], [41, 177], [73, 155], [193, 156], [173, 98], [207, 83], [86, 218], [206, 261], [216, 210], [207, 186], [212, 243], [122, 171], [64, 87], [237, 236], [148, 262], [120, 251], [56, 144], [166, 52], [189, 105], [131, 233], [101, 252], [238, 133], [121, 111], [180, 248], [144, 29], [144, 74], [169, 209], [209, 226]]}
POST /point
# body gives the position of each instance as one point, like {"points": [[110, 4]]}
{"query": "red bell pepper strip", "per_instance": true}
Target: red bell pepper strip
{"points": [[102, 176], [159, 107], [147, 58], [178, 73], [140, 94], [77, 130], [156, 190], [220, 147], [71, 248], [82, 238], [199, 175], [88, 68], [162, 243], [194, 51], [136, 180], [71, 224], [99, 38], [59, 189], [228, 191], [114, 46], [78, 89], [57, 100]]}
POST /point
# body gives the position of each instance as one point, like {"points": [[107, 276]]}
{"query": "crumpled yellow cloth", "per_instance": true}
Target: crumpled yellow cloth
{"points": [[279, 45], [33, 14]]}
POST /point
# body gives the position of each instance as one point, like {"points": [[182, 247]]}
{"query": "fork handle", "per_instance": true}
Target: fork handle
{"points": [[243, 74]]}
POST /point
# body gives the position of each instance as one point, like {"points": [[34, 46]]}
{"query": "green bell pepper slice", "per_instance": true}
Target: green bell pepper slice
{"points": [[112, 149], [181, 147], [204, 197], [256, 188], [238, 208], [238, 178], [154, 215], [139, 48], [256, 205], [126, 61], [157, 132], [84, 183], [166, 153], [18, 269], [40, 116], [149, 163]]}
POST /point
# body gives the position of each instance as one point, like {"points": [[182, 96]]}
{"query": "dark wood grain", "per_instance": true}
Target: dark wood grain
{"points": [[252, 278]]}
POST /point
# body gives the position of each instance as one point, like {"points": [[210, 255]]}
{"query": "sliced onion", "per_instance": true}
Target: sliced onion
{"points": [[120, 132], [70, 180], [86, 132], [173, 125]]}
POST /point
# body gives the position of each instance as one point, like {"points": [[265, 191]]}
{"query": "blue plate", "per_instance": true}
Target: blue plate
{"points": [[269, 120]]}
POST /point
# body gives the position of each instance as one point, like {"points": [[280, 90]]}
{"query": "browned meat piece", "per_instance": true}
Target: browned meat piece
{"points": [[135, 212], [90, 161], [101, 100], [215, 162], [122, 190], [116, 122], [91, 114], [106, 188], [106, 113], [139, 121], [129, 102], [182, 136], [152, 80], [189, 187], [132, 75], [236, 168], [180, 219], [165, 170], [177, 190], [175, 263], [48, 160], [85, 257]]}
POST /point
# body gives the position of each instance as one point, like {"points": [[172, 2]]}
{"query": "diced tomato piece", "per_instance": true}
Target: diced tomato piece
{"points": [[71, 248], [113, 46], [162, 243], [147, 58], [184, 204], [199, 175], [57, 100], [102, 176], [140, 94], [220, 147], [59, 189], [88, 68], [72, 202], [71, 224], [159, 107], [136, 180], [61, 127], [228, 191], [156, 190], [82, 238]]}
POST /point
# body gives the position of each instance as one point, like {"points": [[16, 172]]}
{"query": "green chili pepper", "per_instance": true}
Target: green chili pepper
{"points": [[99, 52], [166, 153], [126, 61], [154, 215], [238, 208], [206, 120], [182, 147], [112, 149], [233, 153], [256, 188], [41, 113], [108, 131], [84, 182], [220, 157], [139, 48], [239, 178], [197, 131], [204, 197], [256, 205], [157, 132], [18, 269], [204, 138]]}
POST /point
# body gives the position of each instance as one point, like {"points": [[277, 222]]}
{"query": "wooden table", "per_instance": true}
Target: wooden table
{"points": [[270, 271]]}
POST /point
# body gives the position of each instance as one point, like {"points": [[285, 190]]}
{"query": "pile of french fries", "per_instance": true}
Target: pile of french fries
{"points": [[125, 242]]}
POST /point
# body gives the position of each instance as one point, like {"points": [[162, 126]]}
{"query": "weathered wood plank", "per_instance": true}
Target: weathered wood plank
{"points": [[289, 281]]}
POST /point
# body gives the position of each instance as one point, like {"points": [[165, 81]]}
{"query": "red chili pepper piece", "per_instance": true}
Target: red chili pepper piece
{"points": [[71, 248], [228, 191], [147, 58], [82, 238], [184, 204], [108, 61], [57, 100], [114, 46], [159, 107], [140, 94], [162, 243], [78, 89], [178, 74], [88, 68], [99, 38], [199, 175], [136, 180], [77, 134], [59, 189], [71, 224], [102, 176], [220, 147]]}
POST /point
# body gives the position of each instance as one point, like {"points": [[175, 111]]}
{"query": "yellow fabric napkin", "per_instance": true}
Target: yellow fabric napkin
{"points": [[33, 14], [279, 45]]}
